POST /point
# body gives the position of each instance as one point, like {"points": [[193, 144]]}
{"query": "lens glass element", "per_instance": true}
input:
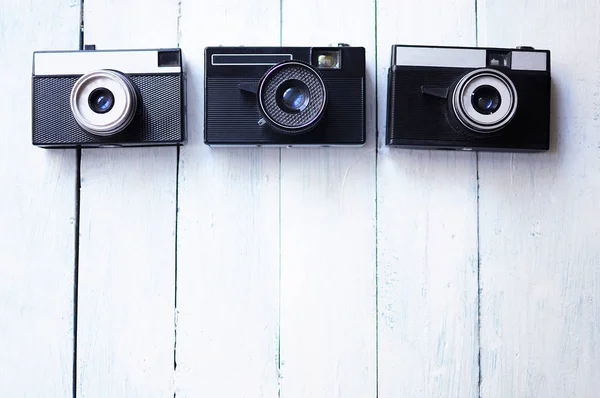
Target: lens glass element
{"points": [[293, 96], [101, 100], [486, 100]]}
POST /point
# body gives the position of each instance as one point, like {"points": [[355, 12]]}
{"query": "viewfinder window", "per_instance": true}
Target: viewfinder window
{"points": [[499, 59], [327, 59]]}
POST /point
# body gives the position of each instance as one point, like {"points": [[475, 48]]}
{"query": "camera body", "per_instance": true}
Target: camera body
{"points": [[285, 96], [461, 98], [108, 98]]}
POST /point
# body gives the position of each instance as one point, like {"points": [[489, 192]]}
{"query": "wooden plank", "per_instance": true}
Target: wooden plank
{"points": [[427, 232], [127, 234], [37, 213], [540, 275], [328, 331], [228, 228]]}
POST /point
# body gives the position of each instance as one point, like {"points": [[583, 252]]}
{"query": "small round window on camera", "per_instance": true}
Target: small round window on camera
{"points": [[104, 102]]}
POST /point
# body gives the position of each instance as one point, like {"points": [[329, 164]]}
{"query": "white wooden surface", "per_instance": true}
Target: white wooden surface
{"points": [[328, 331], [427, 232], [127, 234], [324, 272], [37, 214], [539, 228], [228, 228]]}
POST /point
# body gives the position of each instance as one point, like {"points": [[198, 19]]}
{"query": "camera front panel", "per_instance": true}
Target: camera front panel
{"points": [[421, 112], [232, 82], [158, 118]]}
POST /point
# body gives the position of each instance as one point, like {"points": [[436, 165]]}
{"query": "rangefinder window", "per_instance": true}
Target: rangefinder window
{"points": [[249, 59]]}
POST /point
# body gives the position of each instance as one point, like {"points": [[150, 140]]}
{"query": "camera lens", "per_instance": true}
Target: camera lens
{"points": [[293, 96], [486, 100], [104, 102], [101, 100]]}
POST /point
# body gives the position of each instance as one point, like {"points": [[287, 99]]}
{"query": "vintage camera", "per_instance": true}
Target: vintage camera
{"points": [[108, 98], [469, 98], [285, 96]]}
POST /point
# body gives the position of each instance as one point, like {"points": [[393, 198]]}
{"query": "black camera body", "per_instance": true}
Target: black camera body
{"points": [[461, 98], [285, 96], [108, 98]]}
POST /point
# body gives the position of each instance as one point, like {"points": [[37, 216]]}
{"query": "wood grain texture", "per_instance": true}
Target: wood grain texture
{"points": [[427, 232], [539, 234], [127, 234], [328, 330], [37, 213], [228, 228]]}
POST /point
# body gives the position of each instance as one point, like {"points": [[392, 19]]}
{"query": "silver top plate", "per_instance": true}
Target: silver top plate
{"points": [[448, 57], [441, 57], [80, 62]]}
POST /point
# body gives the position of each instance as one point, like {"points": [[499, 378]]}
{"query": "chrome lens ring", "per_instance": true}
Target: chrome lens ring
{"points": [[470, 116], [123, 107], [292, 97]]}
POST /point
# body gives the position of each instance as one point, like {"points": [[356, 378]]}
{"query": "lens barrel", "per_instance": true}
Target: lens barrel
{"points": [[484, 100], [104, 102], [292, 97]]}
